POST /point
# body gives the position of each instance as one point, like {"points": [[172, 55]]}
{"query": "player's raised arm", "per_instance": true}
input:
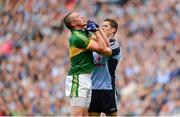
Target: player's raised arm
{"points": [[106, 40], [97, 44]]}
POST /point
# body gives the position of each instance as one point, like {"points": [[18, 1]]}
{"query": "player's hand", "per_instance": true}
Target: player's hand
{"points": [[114, 47], [92, 26]]}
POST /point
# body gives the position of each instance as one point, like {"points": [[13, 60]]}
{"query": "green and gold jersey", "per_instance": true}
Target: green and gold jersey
{"points": [[81, 58]]}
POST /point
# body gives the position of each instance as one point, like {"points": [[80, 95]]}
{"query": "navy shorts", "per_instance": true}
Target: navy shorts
{"points": [[103, 101]]}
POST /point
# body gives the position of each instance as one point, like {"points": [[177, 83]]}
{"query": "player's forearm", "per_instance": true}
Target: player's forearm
{"points": [[100, 40], [104, 36], [106, 51], [102, 45]]}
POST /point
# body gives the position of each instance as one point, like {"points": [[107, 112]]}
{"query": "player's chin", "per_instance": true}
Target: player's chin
{"points": [[85, 21], [84, 24]]}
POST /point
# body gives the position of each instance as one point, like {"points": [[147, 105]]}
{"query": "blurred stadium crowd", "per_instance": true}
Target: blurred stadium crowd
{"points": [[34, 56]]}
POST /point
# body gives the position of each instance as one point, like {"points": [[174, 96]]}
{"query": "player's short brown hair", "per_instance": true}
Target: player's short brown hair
{"points": [[113, 24], [68, 20]]}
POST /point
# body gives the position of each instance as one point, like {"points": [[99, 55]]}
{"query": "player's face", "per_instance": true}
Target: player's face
{"points": [[78, 20], [106, 27]]}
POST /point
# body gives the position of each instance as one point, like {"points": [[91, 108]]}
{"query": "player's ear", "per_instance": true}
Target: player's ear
{"points": [[113, 30], [73, 24]]}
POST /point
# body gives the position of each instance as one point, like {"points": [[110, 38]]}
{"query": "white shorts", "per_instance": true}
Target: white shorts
{"points": [[79, 87]]}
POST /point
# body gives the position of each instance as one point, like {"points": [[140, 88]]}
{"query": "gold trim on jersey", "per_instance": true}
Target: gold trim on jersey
{"points": [[75, 51], [89, 44]]}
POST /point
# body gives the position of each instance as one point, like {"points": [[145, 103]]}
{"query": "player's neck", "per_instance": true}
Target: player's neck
{"points": [[79, 27], [111, 36]]}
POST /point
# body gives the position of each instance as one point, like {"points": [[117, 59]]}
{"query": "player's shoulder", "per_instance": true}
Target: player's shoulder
{"points": [[79, 34], [118, 41]]}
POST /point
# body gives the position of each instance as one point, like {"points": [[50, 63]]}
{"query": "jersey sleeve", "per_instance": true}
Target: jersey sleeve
{"points": [[118, 56], [80, 40]]}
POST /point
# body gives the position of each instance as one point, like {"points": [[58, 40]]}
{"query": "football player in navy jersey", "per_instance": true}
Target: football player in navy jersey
{"points": [[103, 99]]}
